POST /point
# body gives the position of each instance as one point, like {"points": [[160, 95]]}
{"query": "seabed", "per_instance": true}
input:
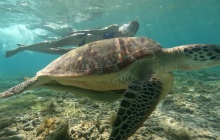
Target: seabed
{"points": [[191, 111]]}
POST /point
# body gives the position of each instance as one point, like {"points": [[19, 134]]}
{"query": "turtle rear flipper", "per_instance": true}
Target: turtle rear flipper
{"points": [[19, 88], [139, 101]]}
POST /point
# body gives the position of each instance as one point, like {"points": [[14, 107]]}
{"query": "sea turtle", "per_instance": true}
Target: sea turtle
{"points": [[137, 65]]}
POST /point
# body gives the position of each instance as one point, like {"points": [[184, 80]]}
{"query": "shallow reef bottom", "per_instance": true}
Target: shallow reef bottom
{"points": [[191, 111]]}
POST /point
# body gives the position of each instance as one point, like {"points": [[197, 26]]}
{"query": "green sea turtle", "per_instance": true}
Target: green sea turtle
{"points": [[137, 65]]}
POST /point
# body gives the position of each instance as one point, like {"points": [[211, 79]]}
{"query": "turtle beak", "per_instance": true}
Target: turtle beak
{"points": [[214, 53], [210, 52], [203, 52]]}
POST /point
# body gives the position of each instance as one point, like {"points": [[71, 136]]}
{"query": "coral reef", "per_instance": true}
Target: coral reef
{"points": [[53, 129]]}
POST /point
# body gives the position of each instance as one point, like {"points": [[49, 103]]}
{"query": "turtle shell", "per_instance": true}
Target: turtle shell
{"points": [[102, 57]]}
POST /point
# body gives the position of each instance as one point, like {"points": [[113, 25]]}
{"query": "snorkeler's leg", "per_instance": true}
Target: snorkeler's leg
{"points": [[39, 47], [48, 50], [66, 41], [45, 46], [12, 52], [59, 50]]}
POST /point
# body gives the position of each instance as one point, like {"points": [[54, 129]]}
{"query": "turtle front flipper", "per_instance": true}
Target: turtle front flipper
{"points": [[139, 101], [19, 88]]}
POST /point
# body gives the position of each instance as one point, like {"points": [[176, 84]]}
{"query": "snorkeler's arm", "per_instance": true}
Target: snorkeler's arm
{"points": [[100, 31]]}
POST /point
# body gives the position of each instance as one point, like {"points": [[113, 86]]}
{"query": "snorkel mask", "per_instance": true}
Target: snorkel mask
{"points": [[130, 28]]}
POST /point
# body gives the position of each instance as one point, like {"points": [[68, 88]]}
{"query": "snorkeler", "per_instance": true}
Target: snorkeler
{"points": [[79, 38]]}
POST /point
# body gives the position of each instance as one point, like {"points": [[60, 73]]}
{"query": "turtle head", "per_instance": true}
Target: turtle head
{"points": [[190, 57], [201, 55]]}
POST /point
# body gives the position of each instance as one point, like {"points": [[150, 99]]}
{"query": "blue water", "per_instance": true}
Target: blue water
{"points": [[170, 22]]}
